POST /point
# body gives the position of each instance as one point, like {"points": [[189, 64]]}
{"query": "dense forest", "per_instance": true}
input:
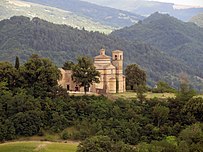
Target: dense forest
{"points": [[31, 103], [20, 36]]}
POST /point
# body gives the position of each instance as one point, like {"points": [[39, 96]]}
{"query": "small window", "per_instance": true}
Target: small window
{"points": [[116, 57], [68, 87], [120, 57]]}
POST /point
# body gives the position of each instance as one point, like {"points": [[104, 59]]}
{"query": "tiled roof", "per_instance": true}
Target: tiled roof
{"points": [[102, 57]]}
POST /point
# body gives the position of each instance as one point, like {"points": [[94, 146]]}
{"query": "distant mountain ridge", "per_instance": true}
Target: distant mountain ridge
{"points": [[51, 14], [104, 15], [146, 8], [20, 36], [198, 19]]}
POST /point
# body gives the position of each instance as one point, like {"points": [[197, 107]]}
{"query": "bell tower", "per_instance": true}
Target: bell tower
{"points": [[117, 61]]}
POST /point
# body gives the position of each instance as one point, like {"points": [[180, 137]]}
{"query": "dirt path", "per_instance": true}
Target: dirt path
{"points": [[41, 147]]}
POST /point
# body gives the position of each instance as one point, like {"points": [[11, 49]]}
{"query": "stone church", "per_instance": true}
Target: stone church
{"points": [[111, 78]]}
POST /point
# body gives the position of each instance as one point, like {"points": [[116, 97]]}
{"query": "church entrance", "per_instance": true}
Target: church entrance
{"points": [[76, 88]]}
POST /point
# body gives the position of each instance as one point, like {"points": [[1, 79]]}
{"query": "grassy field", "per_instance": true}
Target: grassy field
{"points": [[200, 95], [34, 146], [128, 95]]}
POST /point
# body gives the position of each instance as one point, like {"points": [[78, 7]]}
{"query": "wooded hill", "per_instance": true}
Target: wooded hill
{"points": [[51, 14], [178, 39], [20, 36]]}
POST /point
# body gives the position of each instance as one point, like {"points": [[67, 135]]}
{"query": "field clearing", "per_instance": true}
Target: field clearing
{"points": [[38, 146], [201, 95], [149, 95]]}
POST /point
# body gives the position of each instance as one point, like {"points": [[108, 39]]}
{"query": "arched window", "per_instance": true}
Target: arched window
{"points": [[116, 57]]}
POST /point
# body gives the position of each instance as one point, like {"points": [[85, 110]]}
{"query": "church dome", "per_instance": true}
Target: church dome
{"points": [[102, 58]]}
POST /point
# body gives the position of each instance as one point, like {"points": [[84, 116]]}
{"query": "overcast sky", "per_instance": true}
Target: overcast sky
{"points": [[184, 2]]}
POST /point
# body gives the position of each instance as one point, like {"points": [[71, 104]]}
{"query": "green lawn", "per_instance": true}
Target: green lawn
{"points": [[127, 95], [34, 146]]}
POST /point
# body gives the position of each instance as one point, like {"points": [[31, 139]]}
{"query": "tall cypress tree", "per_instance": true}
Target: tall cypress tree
{"points": [[17, 63]]}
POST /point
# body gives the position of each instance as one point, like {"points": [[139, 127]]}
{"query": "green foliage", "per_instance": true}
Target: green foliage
{"points": [[160, 114], [185, 92], [8, 74], [141, 89], [84, 73], [61, 43], [178, 39], [192, 137], [40, 75], [135, 76], [163, 87], [103, 144], [195, 107], [27, 123], [7, 130], [96, 143], [68, 65], [65, 135], [165, 125]]}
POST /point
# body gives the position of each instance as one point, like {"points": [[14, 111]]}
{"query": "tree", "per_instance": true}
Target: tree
{"points": [[40, 75], [103, 144], [8, 74], [195, 107], [68, 65], [193, 137], [27, 123], [135, 76], [84, 73], [185, 93], [17, 63], [140, 92], [7, 130], [160, 114], [163, 87], [96, 143]]}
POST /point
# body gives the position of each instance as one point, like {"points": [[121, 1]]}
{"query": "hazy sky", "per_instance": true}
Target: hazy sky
{"points": [[184, 2], [196, 3]]}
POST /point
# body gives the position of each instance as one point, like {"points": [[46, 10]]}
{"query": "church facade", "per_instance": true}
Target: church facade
{"points": [[111, 78]]}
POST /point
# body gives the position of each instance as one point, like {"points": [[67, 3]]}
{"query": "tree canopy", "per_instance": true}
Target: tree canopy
{"points": [[84, 73], [40, 75], [135, 76]]}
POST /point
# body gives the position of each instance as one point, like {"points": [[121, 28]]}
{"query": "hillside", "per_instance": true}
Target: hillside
{"points": [[51, 14], [104, 15], [145, 8], [174, 37], [22, 37], [197, 19]]}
